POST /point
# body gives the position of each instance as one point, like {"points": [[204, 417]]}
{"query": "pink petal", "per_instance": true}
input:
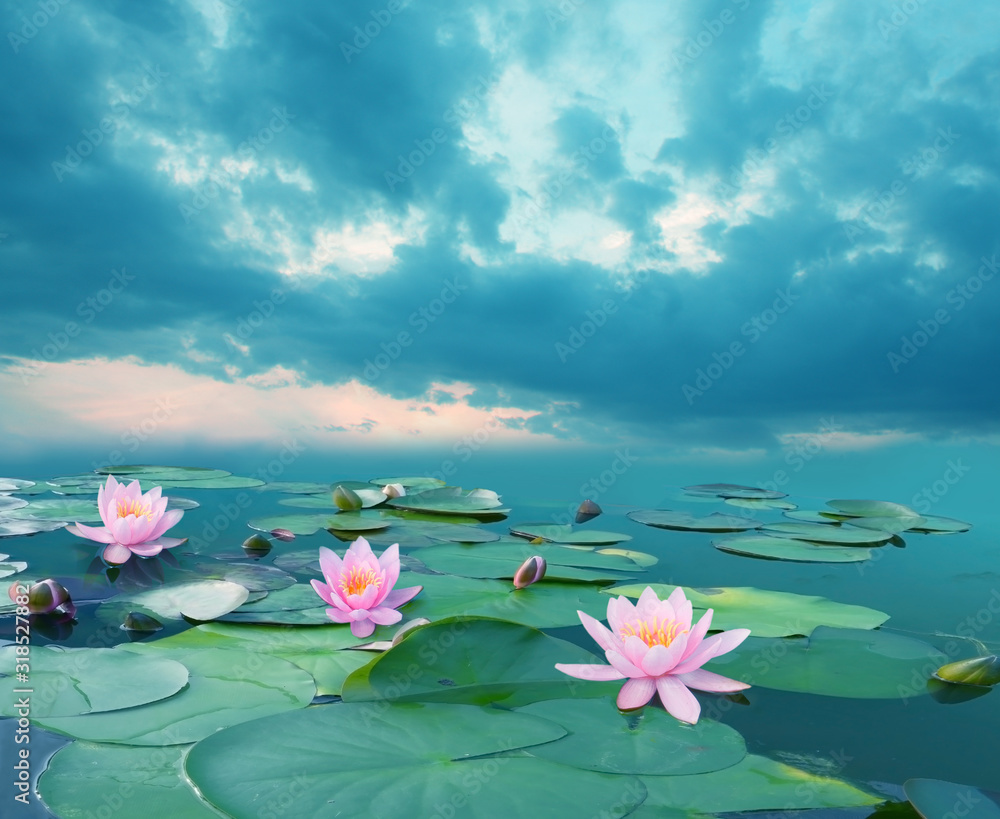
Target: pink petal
{"points": [[698, 633], [359, 614], [153, 496], [116, 553], [338, 616], [712, 647], [661, 659], [585, 671], [104, 494], [604, 638], [370, 596], [170, 518], [388, 562], [100, 534], [121, 528], [678, 701], [361, 549], [703, 680], [133, 491], [620, 609], [385, 616], [636, 693], [362, 628], [635, 650], [150, 549], [397, 597], [168, 542], [623, 666], [142, 530], [649, 603], [330, 564], [323, 591]]}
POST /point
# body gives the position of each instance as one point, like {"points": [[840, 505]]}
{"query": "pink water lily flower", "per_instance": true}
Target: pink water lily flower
{"points": [[360, 587], [653, 645], [133, 522]]}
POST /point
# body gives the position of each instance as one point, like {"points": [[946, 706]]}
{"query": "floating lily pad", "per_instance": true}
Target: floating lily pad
{"points": [[294, 605], [601, 738], [559, 533], [760, 504], [870, 508], [310, 524], [14, 484], [65, 509], [252, 576], [821, 533], [734, 490], [640, 558], [225, 687], [82, 777], [71, 681], [12, 527], [815, 516], [368, 498], [409, 533], [502, 560], [398, 760], [893, 524], [134, 472], [755, 783], [936, 525], [684, 521], [766, 613], [780, 548], [7, 503], [452, 500], [976, 671], [224, 482], [414, 484], [934, 799], [9, 568], [296, 487], [445, 662], [194, 600], [835, 662]]}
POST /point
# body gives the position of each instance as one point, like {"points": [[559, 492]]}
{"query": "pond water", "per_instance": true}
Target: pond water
{"points": [[942, 589]]}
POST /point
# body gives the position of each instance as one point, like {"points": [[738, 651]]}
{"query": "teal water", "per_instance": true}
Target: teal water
{"points": [[937, 585]]}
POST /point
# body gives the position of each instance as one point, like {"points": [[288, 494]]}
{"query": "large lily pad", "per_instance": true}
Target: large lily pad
{"points": [[411, 483], [8, 502], [397, 760], [936, 525], [934, 798], [766, 613], [822, 533], [411, 534], [368, 497], [601, 738], [893, 524], [296, 487], [559, 533], [870, 508], [8, 567], [84, 778], [445, 662], [14, 484], [64, 509], [734, 490], [225, 482], [310, 524], [835, 662], [755, 783], [780, 548], [452, 500], [71, 681], [684, 521], [194, 600], [760, 505], [225, 687], [13, 527]]}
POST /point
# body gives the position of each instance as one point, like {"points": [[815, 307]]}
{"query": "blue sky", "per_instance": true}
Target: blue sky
{"points": [[700, 229]]}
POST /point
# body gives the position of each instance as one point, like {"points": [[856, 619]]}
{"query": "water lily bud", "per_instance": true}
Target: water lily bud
{"points": [[137, 621], [256, 546], [586, 511], [393, 490], [47, 596], [346, 500], [531, 571], [976, 671], [406, 628], [283, 534]]}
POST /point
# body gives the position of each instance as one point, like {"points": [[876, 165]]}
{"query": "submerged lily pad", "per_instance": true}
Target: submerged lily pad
{"points": [[445, 662], [976, 671], [780, 548], [821, 533], [71, 681], [194, 600], [684, 521], [835, 662], [565, 533], [935, 798], [82, 777], [398, 760], [601, 738], [225, 687], [766, 613]]}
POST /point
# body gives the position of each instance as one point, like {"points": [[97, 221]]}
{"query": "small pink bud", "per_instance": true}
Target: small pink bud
{"points": [[393, 490], [531, 571], [46, 596], [283, 534]]}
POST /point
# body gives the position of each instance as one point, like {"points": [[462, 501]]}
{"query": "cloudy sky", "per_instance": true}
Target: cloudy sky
{"points": [[699, 227]]}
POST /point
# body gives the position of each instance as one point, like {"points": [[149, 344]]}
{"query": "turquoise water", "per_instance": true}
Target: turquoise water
{"points": [[937, 585]]}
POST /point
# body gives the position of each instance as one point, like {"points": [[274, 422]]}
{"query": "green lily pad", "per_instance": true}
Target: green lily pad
{"points": [[893, 524], [761, 504], [410, 534], [444, 662], [193, 600], [821, 533], [71, 681], [452, 500], [224, 482], [11, 567], [559, 533], [815, 516], [684, 521], [14, 484], [12, 527], [601, 738], [936, 525], [84, 778], [733, 490], [296, 487], [766, 613], [835, 662], [225, 687], [389, 760], [643, 559], [64, 509], [368, 498], [414, 484], [934, 798], [975, 671], [310, 524], [780, 548], [8, 502], [870, 508], [134, 472], [252, 576], [755, 783], [502, 560]]}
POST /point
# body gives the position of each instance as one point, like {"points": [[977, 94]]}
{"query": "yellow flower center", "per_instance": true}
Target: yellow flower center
{"points": [[358, 579], [128, 507], [655, 632]]}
